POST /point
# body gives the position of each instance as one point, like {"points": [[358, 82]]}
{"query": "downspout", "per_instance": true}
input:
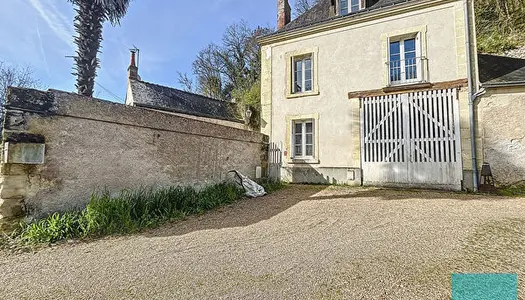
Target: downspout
{"points": [[472, 99]]}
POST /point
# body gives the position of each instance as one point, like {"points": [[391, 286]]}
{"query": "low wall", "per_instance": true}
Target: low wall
{"points": [[501, 125], [92, 144]]}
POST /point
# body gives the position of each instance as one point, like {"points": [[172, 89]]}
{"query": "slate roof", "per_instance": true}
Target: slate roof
{"points": [[501, 70], [320, 13], [160, 97]]}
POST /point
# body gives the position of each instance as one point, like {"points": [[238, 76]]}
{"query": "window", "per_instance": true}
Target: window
{"points": [[302, 74], [349, 6], [303, 139], [302, 66], [404, 63]]}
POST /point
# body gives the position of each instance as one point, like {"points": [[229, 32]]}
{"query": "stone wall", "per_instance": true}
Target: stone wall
{"points": [[501, 126], [91, 144]]}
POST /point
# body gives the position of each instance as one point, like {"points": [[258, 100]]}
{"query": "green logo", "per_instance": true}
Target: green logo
{"points": [[484, 286]]}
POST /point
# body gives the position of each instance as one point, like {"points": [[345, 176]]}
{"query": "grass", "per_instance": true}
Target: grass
{"points": [[127, 212], [271, 186], [513, 191]]}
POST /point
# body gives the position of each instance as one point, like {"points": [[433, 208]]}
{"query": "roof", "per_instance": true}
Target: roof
{"points": [[165, 98], [320, 13], [497, 70]]}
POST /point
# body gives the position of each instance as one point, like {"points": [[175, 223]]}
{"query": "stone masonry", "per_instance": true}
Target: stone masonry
{"points": [[88, 145]]}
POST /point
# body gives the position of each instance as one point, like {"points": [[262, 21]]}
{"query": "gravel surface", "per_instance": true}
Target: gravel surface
{"points": [[303, 242], [516, 53]]}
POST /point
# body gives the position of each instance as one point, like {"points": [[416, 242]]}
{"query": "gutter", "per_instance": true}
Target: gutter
{"points": [[473, 96]]}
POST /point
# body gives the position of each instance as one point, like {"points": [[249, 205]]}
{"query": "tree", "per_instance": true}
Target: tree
{"points": [[207, 69], [231, 70], [89, 20], [15, 76], [302, 6], [500, 24]]}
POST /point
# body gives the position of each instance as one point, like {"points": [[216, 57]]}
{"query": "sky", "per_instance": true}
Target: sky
{"points": [[169, 33]]}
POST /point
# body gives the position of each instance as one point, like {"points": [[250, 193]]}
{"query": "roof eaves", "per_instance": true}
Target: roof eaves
{"points": [[503, 84], [340, 21]]}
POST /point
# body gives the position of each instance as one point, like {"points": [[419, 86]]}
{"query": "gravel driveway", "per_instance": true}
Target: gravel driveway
{"points": [[303, 242]]}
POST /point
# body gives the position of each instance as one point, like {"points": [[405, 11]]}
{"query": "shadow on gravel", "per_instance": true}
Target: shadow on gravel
{"points": [[251, 211], [242, 213]]}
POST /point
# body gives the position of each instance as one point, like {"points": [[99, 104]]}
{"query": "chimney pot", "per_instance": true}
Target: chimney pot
{"points": [[284, 13]]}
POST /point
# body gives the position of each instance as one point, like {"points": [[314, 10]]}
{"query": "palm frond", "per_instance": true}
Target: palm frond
{"points": [[114, 10]]}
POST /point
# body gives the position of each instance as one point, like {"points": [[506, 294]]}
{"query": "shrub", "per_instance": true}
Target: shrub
{"points": [[129, 211]]}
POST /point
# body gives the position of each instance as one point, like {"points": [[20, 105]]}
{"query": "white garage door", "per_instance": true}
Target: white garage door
{"points": [[412, 139]]}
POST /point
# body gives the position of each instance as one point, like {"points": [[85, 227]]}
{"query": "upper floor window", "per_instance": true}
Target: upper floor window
{"points": [[303, 74], [404, 63], [349, 6]]}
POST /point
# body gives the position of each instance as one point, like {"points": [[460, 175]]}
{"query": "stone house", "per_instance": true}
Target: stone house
{"points": [[389, 92]]}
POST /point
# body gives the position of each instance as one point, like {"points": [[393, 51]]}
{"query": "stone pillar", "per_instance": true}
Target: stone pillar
{"points": [[13, 183], [17, 161]]}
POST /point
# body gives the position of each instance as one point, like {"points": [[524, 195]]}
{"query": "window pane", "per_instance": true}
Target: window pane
{"points": [[344, 7], [298, 140], [309, 127], [394, 48], [355, 5], [308, 85], [395, 61], [298, 127], [308, 64], [309, 139], [309, 150], [298, 80], [410, 59], [410, 45], [308, 75], [298, 151]]}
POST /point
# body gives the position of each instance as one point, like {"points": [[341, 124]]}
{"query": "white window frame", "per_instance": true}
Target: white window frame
{"points": [[349, 7], [303, 58], [303, 134], [419, 59]]}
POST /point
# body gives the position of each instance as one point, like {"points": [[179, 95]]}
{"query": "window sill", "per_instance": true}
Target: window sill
{"points": [[299, 95], [298, 161], [407, 86]]}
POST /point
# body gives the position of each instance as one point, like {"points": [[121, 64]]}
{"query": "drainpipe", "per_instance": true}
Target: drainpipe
{"points": [[472, 99]]}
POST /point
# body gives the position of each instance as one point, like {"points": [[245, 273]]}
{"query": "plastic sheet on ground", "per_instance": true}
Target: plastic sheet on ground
{"points": [[251, 188]]}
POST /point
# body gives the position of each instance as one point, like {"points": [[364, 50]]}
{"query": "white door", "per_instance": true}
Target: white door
{"points": [[412, 139]]}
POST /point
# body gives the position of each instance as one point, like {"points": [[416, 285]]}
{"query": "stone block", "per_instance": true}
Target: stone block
{"points": [[24, 153], [13, 186], [13, 169], [11, 208]]}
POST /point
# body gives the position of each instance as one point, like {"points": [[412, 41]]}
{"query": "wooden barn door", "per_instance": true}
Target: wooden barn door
{"points": [[411, 139]]}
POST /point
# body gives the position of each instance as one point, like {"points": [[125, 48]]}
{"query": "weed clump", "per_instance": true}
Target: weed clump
{"points": [[127, 212]]}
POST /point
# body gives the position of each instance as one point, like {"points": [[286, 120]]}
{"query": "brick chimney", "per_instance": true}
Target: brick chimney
{"points": [[284, 13], [133, 70]]}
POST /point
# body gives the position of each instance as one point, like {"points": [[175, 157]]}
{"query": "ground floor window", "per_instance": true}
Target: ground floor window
{"points": [[303, 138]]}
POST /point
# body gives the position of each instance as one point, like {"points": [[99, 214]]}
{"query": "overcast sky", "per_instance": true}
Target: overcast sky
{"points": [[169, 33]]}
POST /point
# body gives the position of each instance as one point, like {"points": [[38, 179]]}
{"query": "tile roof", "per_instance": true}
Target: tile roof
{"points": [[500, 70], [320, 13], [160, 97]]}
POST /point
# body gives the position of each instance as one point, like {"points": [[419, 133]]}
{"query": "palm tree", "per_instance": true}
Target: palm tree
{"points": [[91, 15]]}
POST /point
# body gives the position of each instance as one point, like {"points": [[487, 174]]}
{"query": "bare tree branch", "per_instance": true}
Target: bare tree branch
{"points": [[186, 82], [302, 6], [15, 76]]}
